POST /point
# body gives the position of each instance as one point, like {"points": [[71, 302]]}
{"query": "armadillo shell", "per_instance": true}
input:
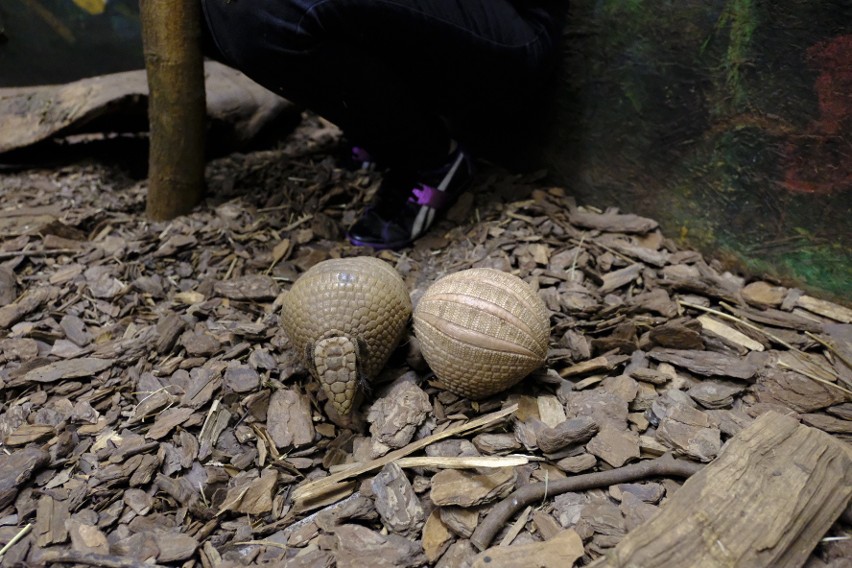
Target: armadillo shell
{"points": [[481, 331], [361, 297]]}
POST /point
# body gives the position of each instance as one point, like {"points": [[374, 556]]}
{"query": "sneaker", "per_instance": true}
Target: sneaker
{"points": [[407, 205], [355, 158]]}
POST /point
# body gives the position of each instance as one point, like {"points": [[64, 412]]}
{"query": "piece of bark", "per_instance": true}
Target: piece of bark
{"points": [[289, 420], [842, 411], [202, 385], [777, 318], [17, 468], [75, 330], [459, 555], [647, 492], [241, 378], [139, 501], [217, 420], [257, 500], [460, 520], [87, 539], [839, 338], [728, 334], [767, 499], [8, 286], [356, 506], [795, 391], [603, 363], [199, 343], [167, 421], [575, 431], [618, 278], [436, 537], [550, 410], [656, 301], [169, 329], [51, 516], [19, 349], [636, 512], [603, 517], [576, 345], [614, 446], [558, 552], [489, 443], [825, 308], [715, 394], [174, 546], [547, 526], [707, 363], [27, 433], [457, 447], [467, 489], [731, 422], [396, 502], [828, 423], [763, 294], [28, 303], [690, 432], [810, 365], [612, 222], [638, 420], [65, 556], [622, 386], [652, 376], [359, 547], [71, 369], [701, 279], [678, 335], [568, 507], [140, 469], [255, 287], [395, 417], [576, 464], [603, 407], [653, 257]]}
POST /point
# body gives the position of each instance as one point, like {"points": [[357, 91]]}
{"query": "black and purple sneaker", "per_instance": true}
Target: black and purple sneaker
{"points": [[407, 205], [355, 159]]}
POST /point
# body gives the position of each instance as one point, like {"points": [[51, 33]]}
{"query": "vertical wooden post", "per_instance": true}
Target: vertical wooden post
{"points": [[171, 38]]}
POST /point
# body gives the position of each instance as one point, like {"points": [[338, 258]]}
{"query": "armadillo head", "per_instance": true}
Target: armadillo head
{"points": [[336, 362]]}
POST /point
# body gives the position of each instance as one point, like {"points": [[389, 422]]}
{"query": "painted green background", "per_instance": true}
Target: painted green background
{"points": [[728, 121]]}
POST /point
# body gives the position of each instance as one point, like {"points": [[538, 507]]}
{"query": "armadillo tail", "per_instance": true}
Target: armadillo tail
{"points": [[336, 362]]}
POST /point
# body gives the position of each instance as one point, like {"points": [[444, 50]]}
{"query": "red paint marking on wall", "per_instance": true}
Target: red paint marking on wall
{"points": [[819, 160]]}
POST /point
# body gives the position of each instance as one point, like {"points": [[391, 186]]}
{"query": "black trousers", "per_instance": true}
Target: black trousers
{"points": [[399, 77]]}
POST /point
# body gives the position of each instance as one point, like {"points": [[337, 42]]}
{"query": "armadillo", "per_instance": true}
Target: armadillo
{"points": [[345, 317], [481, 331]]}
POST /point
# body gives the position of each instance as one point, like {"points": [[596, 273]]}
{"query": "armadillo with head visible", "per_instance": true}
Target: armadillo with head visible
{"points": [[345, 317]]}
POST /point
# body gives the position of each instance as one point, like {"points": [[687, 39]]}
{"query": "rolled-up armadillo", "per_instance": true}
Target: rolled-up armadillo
{"points": [[481, 331], [345, 317]]}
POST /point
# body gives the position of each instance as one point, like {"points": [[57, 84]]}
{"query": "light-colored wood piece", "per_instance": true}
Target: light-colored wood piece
{"points": [[717, 328], [826, 309]]}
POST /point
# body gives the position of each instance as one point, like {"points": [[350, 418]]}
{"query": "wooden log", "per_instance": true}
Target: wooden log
{"points": [[171, 36], [765, 501]]}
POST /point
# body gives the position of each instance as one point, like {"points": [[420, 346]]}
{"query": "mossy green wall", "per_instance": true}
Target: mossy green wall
{"points": [[730, 121], [57, 41]]}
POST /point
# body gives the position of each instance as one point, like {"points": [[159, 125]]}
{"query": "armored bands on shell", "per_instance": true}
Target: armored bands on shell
{"points": [[481, 331], [345, 317]]}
